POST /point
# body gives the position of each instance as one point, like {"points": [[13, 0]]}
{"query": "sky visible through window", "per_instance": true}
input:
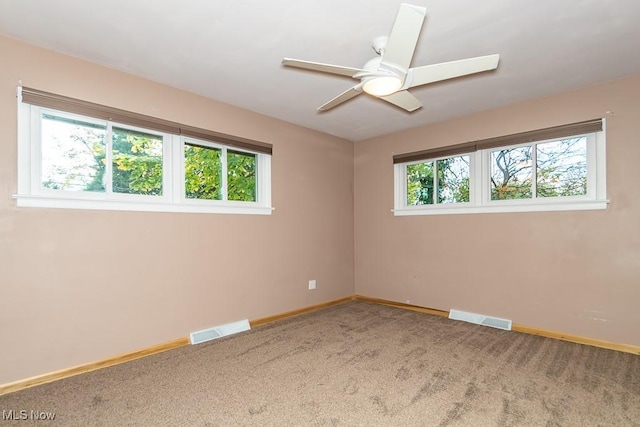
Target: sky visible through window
{"points": [[68, 147]]}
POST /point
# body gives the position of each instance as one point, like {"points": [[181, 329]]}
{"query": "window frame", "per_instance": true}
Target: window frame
{"points": [[261, 164], [480, 183], [31, 193], [435, 160]]}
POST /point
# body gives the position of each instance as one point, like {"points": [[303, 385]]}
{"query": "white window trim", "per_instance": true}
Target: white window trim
{"points": [[480, 194], [31, 194]]}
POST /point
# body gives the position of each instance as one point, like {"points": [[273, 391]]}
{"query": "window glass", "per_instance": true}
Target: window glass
{"points": [[420, 184], [137, 162], [451, 185], [241, 176], [453, 180], [511, 173], [202, 172], [73, 154], [562, 168]]}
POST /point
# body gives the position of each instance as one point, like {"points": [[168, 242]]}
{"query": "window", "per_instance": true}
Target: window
{"points": [[71, 160], [206, 172], [561, 168], [438, 182]]}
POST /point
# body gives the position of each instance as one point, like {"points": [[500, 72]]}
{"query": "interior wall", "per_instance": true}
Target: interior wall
{"points": [[78, 286], [573, 272]]}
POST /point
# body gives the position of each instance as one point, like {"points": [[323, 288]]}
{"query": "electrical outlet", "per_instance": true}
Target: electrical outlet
{"points": [[312, 284]]}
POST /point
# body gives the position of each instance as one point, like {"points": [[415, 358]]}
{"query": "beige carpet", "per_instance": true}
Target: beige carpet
{"points": [[354, 364]]}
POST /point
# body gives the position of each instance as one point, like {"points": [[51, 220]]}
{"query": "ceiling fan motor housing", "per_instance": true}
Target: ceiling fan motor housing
{"points": [[378, 80]]}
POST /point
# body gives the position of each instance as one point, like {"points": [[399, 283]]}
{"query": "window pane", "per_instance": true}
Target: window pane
{"points": [[420, 184], [241, 176], [511, 174], [73, 154], [202, 172], [453, 180], [562, 168], [137, 162]]}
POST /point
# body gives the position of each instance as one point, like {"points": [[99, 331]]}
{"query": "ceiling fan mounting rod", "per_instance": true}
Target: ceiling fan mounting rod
{"points": [[379, 44]]}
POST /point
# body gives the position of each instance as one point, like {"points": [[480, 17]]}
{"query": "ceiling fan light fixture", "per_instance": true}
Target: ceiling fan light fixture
{"points": [[382, 85]]}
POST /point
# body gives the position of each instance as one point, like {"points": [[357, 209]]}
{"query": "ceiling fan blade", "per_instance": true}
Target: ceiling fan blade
{"points": [[318, 66], [448, 70], [343, 97], [404, 100], [404, 36]]}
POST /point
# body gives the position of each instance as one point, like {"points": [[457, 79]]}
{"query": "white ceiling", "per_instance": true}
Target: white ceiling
{"points": [[231, 50]]}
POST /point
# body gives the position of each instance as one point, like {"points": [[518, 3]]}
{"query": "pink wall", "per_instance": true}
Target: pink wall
{"points": [[572, 272], [79, 286]]}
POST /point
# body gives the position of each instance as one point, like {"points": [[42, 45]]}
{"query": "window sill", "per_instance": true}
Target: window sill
{"points": [[495, 208], [31, 201]]}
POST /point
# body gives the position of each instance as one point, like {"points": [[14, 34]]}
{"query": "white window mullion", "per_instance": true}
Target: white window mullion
{"points": [[108, 158], [475, 178], [36, 150], [223, 178], [592, 174], [400, 186], [484, 180], [27, 149], [264, 180], [404, 200], [178, 168], [435, 183], [600, 164], [167, 167], [405, 180], [534, 171], [257, 172]]}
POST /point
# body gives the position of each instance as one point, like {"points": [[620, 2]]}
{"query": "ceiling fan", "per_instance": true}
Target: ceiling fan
{"points": [[388, 76]]}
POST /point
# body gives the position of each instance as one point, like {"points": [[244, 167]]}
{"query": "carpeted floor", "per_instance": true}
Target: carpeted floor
{"points": [[354, 364]]}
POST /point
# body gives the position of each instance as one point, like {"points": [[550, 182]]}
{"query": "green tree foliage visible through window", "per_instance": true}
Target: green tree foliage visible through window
{"points": [[241, 176], [137, 162], [453, 180], [74, 159], [452, 184], [202, 172], [420, 184]]}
